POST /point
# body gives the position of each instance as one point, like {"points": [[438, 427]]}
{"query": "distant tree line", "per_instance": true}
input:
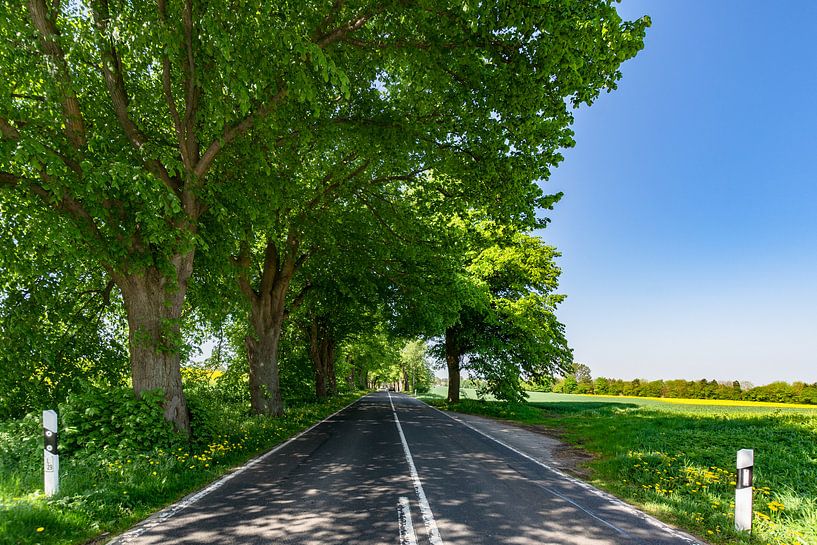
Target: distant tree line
{"points": [[580, 381]]}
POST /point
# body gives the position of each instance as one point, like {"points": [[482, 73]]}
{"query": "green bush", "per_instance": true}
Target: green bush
{"points": [[21, 456], [114, 419]]}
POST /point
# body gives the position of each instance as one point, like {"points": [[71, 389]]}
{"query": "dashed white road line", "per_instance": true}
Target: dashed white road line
{"points": [[407, 535], [425, 509], [595, 491]]}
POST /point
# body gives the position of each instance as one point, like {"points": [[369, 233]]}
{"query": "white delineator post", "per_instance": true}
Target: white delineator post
{"points": [[51, 456], [743, 490]]}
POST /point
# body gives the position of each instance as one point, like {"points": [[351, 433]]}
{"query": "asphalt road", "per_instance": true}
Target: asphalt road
{"points": [[389, 469]]}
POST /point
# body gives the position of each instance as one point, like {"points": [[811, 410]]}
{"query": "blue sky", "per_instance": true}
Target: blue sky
{"points": [[689, 223]]}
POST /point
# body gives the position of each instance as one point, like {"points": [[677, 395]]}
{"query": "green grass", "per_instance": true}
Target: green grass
{"points": [[676, 460], [107, 492]]}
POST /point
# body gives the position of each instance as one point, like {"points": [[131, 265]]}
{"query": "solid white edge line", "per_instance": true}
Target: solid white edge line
{"points": [[612, 499], [576, 505], [407, 535], [162, 516], [425, 508]]}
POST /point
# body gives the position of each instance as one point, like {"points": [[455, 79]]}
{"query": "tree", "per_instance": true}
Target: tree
{"points": [[370, 360], [59, 333], [570, 385], [581, 372], [114, 119], [508, 332], [60, 329], [601, 386], [417, 375], [126, 119]]}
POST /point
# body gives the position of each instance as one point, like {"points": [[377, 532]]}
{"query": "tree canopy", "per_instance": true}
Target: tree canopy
{"points": [[152, 138], [507, 332]]}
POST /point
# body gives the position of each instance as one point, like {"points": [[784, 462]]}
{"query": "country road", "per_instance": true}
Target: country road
{"points": [[389, 469]]}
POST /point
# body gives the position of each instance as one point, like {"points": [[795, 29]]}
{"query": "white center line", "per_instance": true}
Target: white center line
{"points": [[425, 509], [407, 535]]}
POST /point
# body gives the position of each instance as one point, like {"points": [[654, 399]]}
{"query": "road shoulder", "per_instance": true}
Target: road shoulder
{"points": [[548, 451], [537, 442]]}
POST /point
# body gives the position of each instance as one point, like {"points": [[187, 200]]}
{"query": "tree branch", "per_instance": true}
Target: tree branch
{"points": [[7, 178], [243, 263], [28, 97], [342, 31], [376, 215], [192, 91], [298, 300], [400, 177], [232, 132], [270, 270], [49, 41], [168, 91], [8, 130], [331, 187], [185, 129], [115, 82], [328, 20], [66, 203]]}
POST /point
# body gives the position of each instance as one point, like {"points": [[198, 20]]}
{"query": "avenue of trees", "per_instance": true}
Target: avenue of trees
{"points": [[313, 184]]}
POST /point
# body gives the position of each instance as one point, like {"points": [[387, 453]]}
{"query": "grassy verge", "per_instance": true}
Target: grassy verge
{"points": [[108, 491], [676, 460]]}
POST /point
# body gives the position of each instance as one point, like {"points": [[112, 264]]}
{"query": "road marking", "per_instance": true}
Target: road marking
{"points": [[425, 509], [162, 516], [407, 535], [595, 491], [573, 503]]}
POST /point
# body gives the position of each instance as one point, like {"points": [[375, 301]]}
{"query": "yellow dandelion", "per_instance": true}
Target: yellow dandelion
{"points": [[776, 506], [40, 529]]}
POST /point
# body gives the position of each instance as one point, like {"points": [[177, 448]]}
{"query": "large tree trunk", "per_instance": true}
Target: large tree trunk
{"points": [[267, 320], [267, 315], [322, 353], [453, 357], [153, 304]]}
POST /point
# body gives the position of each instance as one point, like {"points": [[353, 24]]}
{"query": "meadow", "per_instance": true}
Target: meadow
{"points": [[676, 458]]}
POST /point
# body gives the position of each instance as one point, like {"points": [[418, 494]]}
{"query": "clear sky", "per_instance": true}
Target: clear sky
{"points": [[689, 223]]}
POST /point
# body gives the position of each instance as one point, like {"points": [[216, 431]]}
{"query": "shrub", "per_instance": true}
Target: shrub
{"points": [[116, 418]]}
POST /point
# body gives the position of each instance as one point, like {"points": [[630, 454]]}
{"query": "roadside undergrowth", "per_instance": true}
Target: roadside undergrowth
{"points": [[678, 464], [106, 487]]}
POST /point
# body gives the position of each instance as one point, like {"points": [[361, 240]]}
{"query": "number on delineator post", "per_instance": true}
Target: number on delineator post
{"points": [[51, 455], [743, 490]]}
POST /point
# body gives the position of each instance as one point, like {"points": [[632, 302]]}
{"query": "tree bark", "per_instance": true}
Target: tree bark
{"points": [[453, 357], [267, 320], [267, 314], [322, 353], [153, 304]]}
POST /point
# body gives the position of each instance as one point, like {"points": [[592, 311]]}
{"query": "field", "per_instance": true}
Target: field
{"points": [[676, 458]]}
